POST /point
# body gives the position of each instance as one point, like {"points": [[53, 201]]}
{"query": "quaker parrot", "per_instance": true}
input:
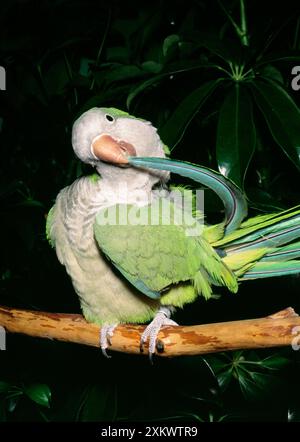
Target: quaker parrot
{"points": [[139, 272]]}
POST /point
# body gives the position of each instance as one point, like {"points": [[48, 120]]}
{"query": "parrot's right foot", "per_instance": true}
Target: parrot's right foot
{"points": [[106, 333], [161, 319]]}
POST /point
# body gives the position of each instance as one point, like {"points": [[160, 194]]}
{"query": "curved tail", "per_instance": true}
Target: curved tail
{"points": [[232, 197]]}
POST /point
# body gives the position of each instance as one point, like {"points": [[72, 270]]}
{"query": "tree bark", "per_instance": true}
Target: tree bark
{"points": [[272, 331]]}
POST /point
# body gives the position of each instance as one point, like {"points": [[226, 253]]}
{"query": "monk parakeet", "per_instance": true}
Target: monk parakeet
{"points": [[128, 271]]}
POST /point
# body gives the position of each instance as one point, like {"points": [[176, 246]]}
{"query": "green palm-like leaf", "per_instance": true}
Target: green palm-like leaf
{"points": [[172, 69], [279, 57], [229, 51], [39, 393], [224, 379], [236, 134], [281, 114], [246, 368], [170, 43], [174, 129], [274, 362]]}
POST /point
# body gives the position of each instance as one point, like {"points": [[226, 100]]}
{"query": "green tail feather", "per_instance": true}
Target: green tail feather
{"points": [[271, 269], [285, 253], [264, 246], [258, 227]]}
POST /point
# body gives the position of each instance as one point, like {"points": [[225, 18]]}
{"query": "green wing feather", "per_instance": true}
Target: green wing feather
{"points": [[156, 257]]}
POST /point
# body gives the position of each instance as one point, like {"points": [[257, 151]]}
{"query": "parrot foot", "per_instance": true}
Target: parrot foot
{"points": [[106, 333], [161, 319]]}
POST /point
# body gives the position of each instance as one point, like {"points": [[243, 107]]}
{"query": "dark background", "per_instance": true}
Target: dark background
{"points": [[220, 99]]}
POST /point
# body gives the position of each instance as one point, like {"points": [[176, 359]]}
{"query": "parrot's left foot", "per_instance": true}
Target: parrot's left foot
{"points": [[106, 333], [161, 319]]}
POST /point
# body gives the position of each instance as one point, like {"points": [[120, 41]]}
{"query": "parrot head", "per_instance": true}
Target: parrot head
{"points": [[106, 137]]}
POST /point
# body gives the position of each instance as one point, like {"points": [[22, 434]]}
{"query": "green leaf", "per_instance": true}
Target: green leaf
{"points": [[186, 49], [120, 73], [217, 363], [224, 379], [12, 403], [254, 383], [152, 82], [84, 68], [275, 58], [100, 404], [30, 202], [243, 366], [170, 43], [152, 66], [174, 68], [270, 71], [4, 386], [247, 386], [228, 51], [39, 393], [236, 134], [127, 27], [275, 362], [221, 366], [117, 53], [282, 116], [105, 98], [56, 78], [261, 200], [174, 129], [262, 381]]}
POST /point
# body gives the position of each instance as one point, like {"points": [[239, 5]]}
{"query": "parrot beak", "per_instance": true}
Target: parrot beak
{"points": [[106, 148]]}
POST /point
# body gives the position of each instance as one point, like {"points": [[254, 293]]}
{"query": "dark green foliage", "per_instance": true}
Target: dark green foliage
{"points": [[217, 84]]}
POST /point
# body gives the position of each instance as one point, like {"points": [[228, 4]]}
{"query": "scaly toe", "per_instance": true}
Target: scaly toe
{"points": [[150, 333], [106, 333]]}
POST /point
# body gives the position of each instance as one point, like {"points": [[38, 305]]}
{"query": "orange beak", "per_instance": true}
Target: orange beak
{"points": [[107, 149]]}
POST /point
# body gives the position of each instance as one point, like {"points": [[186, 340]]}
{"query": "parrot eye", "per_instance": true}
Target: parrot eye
{"points": [[109, 118]]}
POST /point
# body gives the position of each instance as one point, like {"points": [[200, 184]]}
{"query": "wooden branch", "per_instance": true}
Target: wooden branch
{"points": [[272, 331]]}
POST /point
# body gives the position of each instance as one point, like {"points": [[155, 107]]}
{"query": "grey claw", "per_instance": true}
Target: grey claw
{"points": [[160, 346], [151, 358], [104, 352]]}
